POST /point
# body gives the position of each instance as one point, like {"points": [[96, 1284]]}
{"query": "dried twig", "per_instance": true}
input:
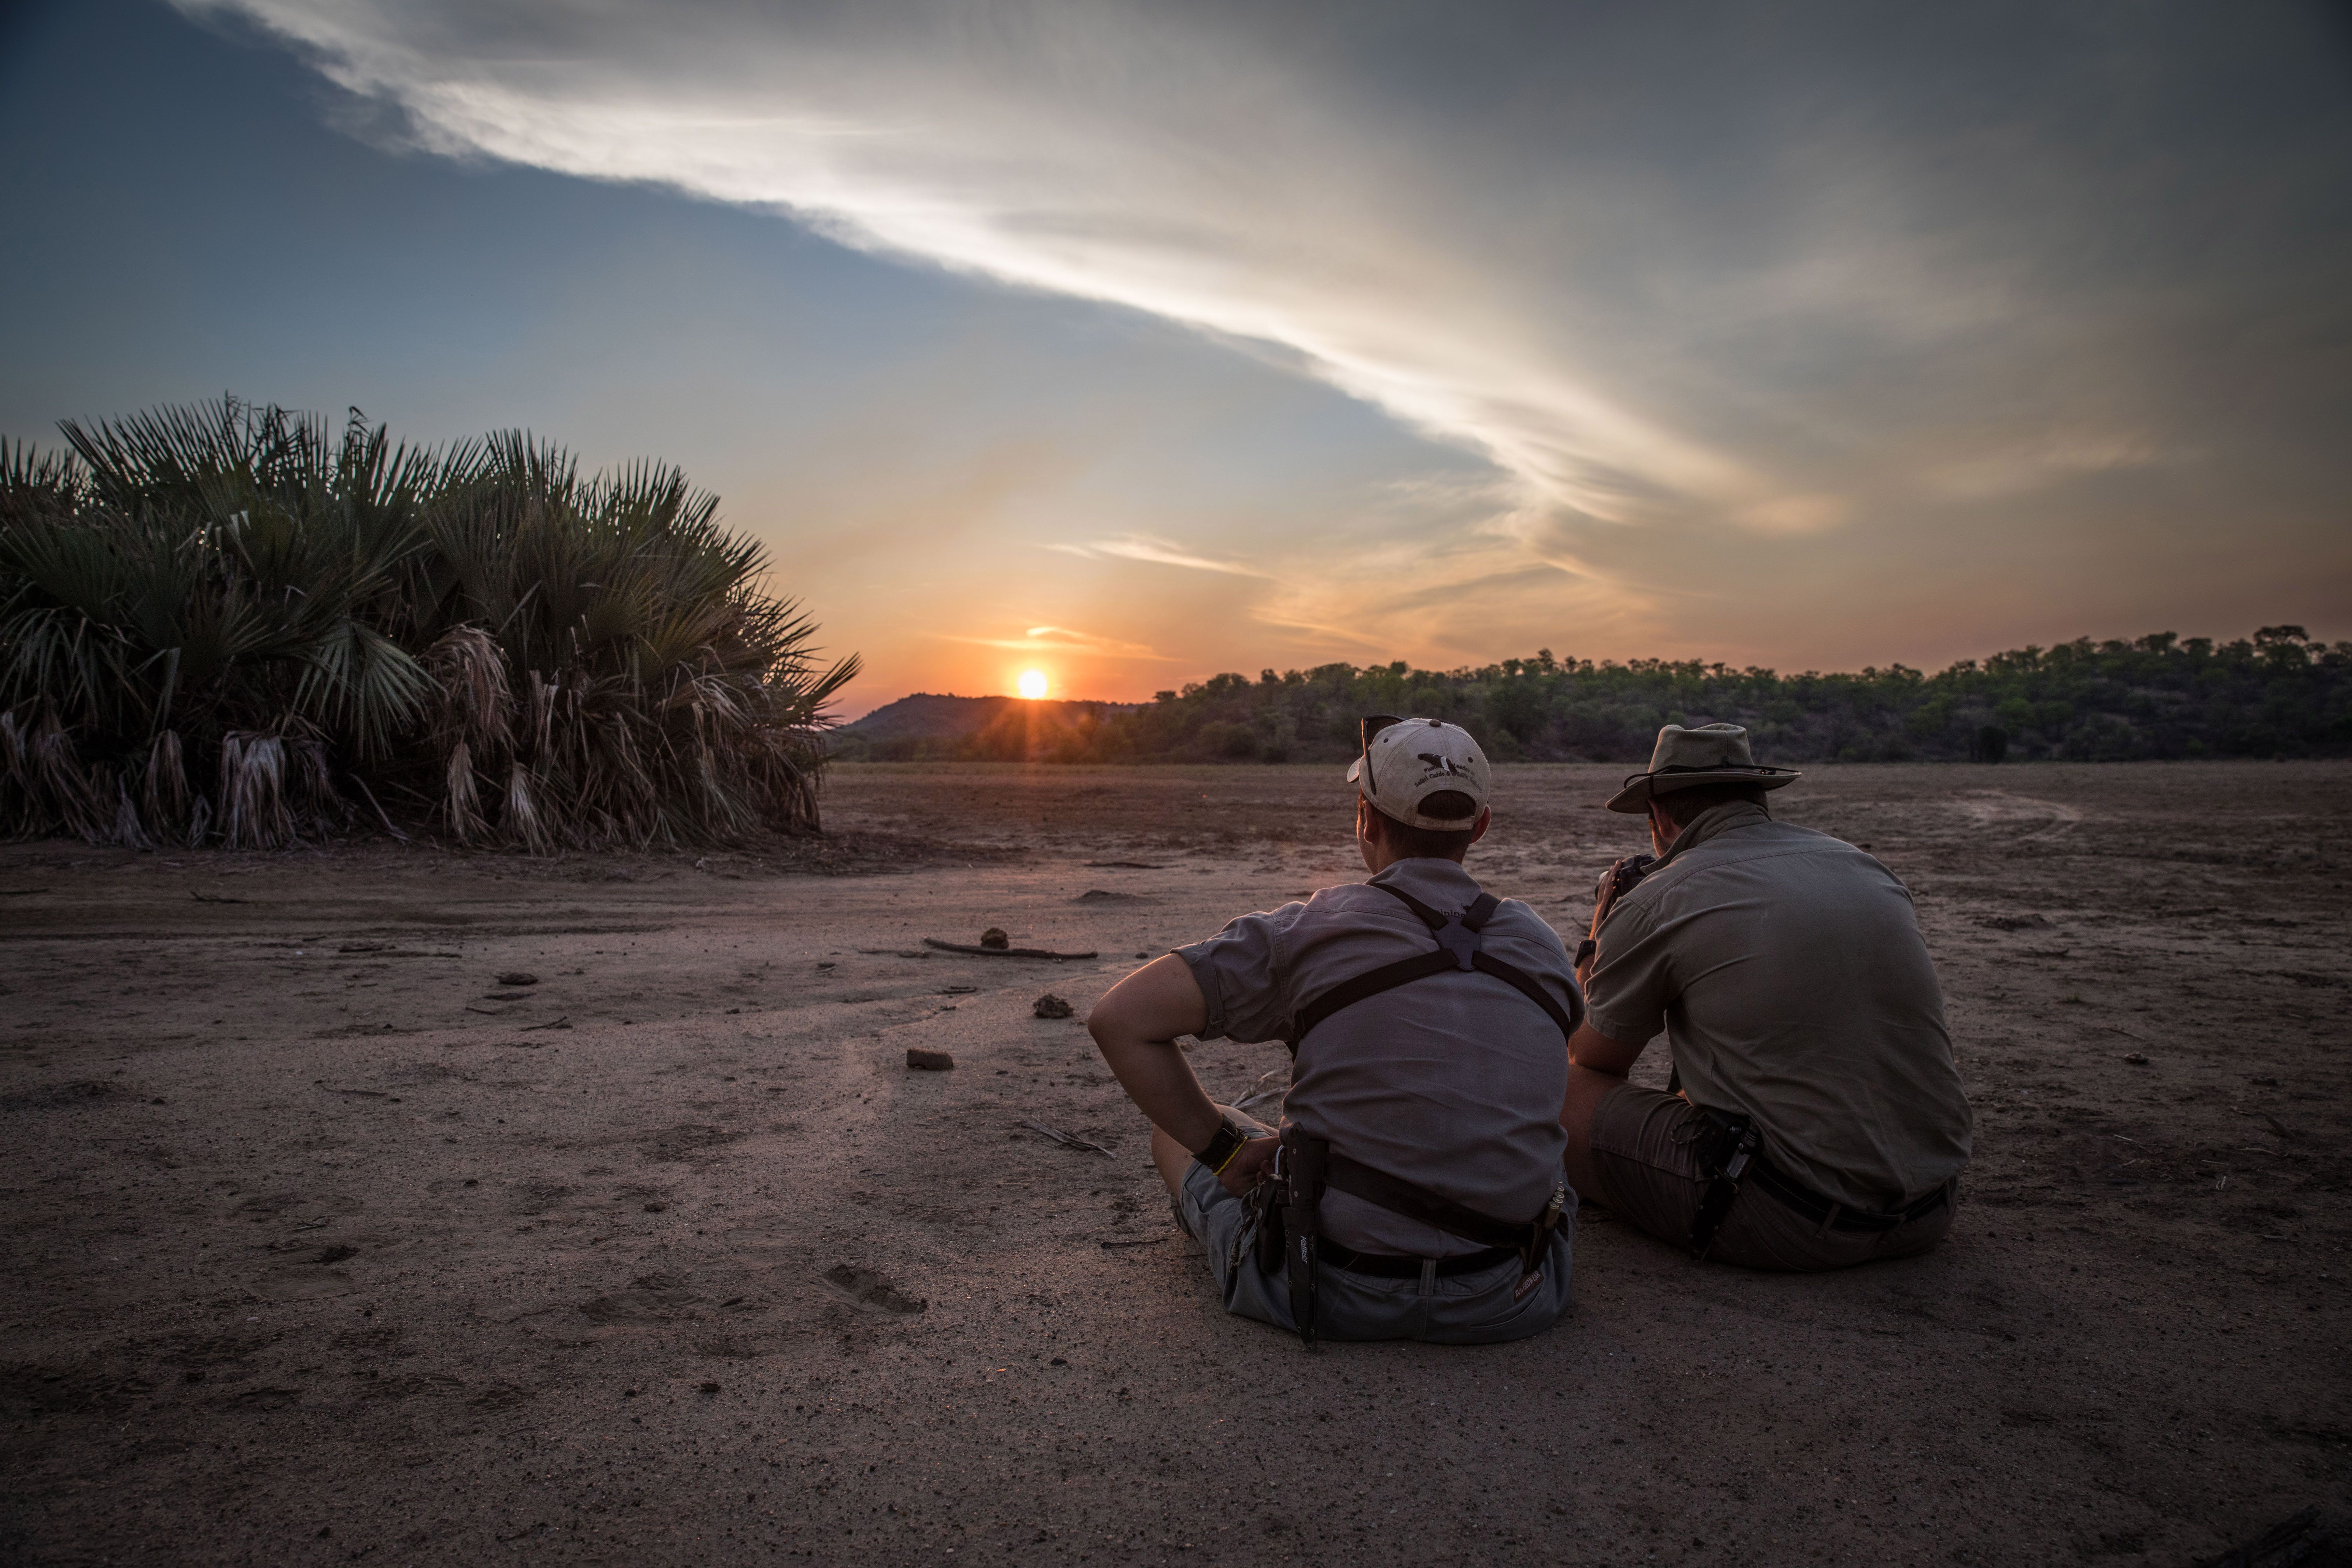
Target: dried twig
{"points": [[1266, 1088], [1000, 952], [1066, 1139], [380, 814]]}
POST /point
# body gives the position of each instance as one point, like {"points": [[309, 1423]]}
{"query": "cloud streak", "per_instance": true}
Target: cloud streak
{"points": [[1062, 639], [1158, 551]]}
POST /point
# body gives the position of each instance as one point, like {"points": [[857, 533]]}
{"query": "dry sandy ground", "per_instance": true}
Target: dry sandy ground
{"points": [[322, 1246]]}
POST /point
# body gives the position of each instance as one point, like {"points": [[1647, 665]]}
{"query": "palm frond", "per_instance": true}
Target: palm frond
{"points": [[239, 592]]}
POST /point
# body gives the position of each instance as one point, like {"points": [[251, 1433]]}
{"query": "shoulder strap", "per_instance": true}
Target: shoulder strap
{"points": [[1458, 947], [1372, 982]]}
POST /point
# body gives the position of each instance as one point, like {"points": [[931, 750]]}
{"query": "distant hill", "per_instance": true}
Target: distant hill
{"points": [[929, 725], [2278, 694]]}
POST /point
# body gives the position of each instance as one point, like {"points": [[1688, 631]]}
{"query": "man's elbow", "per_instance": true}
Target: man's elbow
{"points": [[1595, 1052]]}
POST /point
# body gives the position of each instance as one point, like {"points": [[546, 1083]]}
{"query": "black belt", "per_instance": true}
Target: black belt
{"points": [[1812, 1205], [1392, 1265]]}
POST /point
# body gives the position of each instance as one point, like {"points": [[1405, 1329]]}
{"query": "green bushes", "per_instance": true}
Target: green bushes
{"points": [[224, 624], [2278, 694]]}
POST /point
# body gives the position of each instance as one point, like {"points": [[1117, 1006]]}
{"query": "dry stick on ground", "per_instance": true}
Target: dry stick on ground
{"points": [[1065, 1139], [1001, 951], [380, 811]]}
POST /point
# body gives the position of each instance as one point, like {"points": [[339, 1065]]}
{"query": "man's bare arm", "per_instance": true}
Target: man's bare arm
{"points": [[1135, 1026], [1597, 1066]]}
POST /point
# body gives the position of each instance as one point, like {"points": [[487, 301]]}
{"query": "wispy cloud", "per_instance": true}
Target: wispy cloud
{"points": [[1160, 551], [1140, 155], [1062, 639]]}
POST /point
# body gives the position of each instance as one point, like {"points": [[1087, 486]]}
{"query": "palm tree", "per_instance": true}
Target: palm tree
{"points": [[222, 623]]}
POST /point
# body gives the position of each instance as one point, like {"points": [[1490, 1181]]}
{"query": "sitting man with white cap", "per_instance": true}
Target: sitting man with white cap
{"points": [[1820, 1120], [1415, 1189]]}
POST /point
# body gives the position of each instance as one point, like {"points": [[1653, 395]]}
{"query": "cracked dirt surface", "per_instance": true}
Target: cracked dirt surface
{"points": [[324, 1244]]}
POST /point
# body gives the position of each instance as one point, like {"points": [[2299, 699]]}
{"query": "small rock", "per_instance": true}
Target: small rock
{"points": [[655, 1207], [920, 1060], [994, 937], [1143, 955], [517, 977], [710, 1388], [2137, 1059], [1052, 1007]]}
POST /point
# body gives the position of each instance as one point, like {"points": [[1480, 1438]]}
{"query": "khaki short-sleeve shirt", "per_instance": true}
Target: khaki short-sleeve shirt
{"points": [[1453, 1082], [1788, 972]]}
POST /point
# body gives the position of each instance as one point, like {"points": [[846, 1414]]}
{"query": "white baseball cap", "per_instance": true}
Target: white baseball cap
{"points": [[1406, 761]]}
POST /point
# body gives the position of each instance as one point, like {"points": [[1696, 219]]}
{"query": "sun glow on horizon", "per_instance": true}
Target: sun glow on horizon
{"points": [[1032, 684]]}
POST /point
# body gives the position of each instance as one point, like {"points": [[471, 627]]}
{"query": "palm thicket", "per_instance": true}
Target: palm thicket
{"points": [[229, 624]]}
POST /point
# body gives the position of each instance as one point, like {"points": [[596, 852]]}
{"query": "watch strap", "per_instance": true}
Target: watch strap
{"points": [[1223, 1148]]}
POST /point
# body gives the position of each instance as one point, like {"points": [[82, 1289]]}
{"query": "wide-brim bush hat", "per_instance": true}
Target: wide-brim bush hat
{"points": [[1712, 753], [1406, 761]]}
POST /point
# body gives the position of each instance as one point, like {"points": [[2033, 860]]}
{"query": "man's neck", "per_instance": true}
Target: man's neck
{"points": [[1381, 862], [1710, 822]]}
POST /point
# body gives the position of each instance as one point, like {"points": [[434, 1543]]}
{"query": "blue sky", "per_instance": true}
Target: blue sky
{"points": [[1135, 343]]}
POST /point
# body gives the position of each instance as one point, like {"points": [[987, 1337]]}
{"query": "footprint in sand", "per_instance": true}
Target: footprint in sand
{"points": [[2039, 819], [868, 1288]]}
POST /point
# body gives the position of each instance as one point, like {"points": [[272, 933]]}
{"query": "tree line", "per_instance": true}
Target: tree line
{"points": [[2278, 693]]}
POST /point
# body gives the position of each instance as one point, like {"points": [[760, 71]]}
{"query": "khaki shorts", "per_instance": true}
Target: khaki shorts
{"points": [[1644, 1144]]}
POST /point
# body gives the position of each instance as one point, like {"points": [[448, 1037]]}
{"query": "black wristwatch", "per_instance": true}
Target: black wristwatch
{"points": [[1584, 951], [1223, 1148]]}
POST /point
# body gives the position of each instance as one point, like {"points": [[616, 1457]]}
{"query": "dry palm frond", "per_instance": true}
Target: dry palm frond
{"points": [[164, 790], [126, 829], [253, 791], [463, 804], [522, 820], [471, 671]]}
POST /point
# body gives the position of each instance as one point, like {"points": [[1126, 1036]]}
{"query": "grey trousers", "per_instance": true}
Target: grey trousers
{"points": [[1461, 1310], [1642, 1140]]}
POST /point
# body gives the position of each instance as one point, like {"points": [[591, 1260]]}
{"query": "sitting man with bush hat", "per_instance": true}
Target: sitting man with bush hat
{"points": [[1820, 1120], [1415, 1189]]}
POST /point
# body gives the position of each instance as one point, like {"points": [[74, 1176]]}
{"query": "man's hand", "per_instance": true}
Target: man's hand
{"points": [[1250, 1166], [1614, 883], [1251, 1161]]}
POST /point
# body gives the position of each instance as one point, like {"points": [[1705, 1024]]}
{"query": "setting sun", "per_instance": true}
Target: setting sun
{"points": [[1033, 684]]}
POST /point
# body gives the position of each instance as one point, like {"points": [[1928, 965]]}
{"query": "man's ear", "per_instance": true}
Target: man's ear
{"points": [[1485, 820]]}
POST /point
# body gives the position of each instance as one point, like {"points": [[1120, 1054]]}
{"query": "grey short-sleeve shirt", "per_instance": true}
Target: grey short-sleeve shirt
{"points": [[1788, 970], [1453, 1082]]}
